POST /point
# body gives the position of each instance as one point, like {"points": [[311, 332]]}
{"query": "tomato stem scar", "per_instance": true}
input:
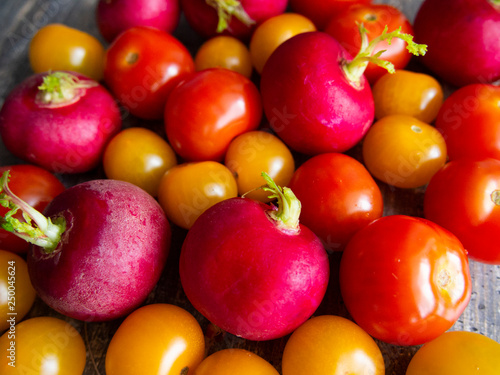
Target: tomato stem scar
{"points": [[495, 197], [132, 58]]}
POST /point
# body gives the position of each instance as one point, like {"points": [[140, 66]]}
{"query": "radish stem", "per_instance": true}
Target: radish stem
{"points": [[43, 232], [61, 88], [226, 9]]}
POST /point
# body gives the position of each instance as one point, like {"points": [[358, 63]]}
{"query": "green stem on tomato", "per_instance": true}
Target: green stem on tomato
{"points": [[289, 206], [355, 68], [61, 88], [36, 228], [226, 9]]}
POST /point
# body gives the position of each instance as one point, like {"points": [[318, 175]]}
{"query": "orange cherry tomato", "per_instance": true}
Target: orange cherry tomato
{"points": [[403, 151], [274, 31], [59, 47], [188, 189], [330, 344], [139, 156], [224, 51], [42, 345], [156, 339], [408, 93], [235, 361], [255, 152], [16, 292]]}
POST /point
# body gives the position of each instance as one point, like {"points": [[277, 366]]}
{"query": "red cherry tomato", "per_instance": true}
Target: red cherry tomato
{"points": [[464, 197], [469, 120], [34, 185], [208, 110], [338, 196], [405, 280], [142, 66], [344, 28], [321, 11]]}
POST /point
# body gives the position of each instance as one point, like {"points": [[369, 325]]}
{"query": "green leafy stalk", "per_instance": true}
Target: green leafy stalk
{"points": [[36, 228], [61, 88], [495, 3], [288, 205], [355, 68], [226, 9]]}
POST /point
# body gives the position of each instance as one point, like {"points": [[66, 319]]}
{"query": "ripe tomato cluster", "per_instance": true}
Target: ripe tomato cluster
{"points": [[299, 93]]}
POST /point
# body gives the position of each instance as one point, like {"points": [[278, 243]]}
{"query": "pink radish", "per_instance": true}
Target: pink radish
{"points": [[315, 95], [99, 248], [463, 46], [60, 121], [252, 269], [115, 16], [232, 17]]}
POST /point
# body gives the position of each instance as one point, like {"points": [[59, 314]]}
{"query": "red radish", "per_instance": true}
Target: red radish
{"points": [[252, 269], [231, 17], [115, 16], [463, 46], [315, 95], [99, 248], [60, 121]]}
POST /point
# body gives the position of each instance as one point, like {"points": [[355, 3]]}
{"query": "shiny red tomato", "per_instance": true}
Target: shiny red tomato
{"points": [[142, 66], [469, 120], [464, 197], [405, 280], [338, 196], [321, 11], [344, 28], [34, 185], [208, 110]]}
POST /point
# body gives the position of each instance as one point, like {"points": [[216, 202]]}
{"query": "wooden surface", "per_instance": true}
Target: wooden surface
{"points": [[20, 19]]}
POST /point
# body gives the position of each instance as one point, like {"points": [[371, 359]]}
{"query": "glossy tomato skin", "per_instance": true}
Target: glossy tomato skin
{"points": [[344, 28], [403, 151], [321, 11], [234, 361], [408, 93], [142, 66], [208, 110], [37, 187], [155, 332], [139, 156], [338, 196], [465, 352], [464, 197], [329, 344], [188, 189], [309, 101], [60, 47], [469, 120], [405, 280], [17, 295], [43, 343], [254, 152]]}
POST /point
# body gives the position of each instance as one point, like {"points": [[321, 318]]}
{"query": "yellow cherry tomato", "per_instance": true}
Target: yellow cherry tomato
{"points": [[274, 31], [60, 47], [156, 339], [255, 152], [224, 51], [403, 151], [408, 93], [330, 344], [188, 189], [457, 353], [16, 292], [42, 345], [139, 156], [235, 361]]}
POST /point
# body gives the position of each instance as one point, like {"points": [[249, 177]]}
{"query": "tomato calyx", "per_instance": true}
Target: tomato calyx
{"points": [[43, 232], [184, 371], [60, 89], [226, 9], [355, 68], [288, 209], [495, 197]]}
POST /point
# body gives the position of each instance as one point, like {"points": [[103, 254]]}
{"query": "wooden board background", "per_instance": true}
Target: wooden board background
{"points": [[20, 19]]}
